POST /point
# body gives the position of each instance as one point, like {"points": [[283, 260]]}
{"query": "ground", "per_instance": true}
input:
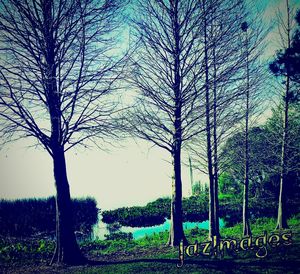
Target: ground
{"points": [[150, 255]]}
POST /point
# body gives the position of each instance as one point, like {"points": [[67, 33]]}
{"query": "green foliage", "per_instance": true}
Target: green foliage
{"points": [[287, 62], [29, 217], [199, 188], [227, 185], [21, 250], [196, 188], [274, 127], [154, 240], [114, 227], [14, 249], [265, 152], [85, 213], [261, 160], [119, 236], [195, 208], [152, 214], [95, 246]]}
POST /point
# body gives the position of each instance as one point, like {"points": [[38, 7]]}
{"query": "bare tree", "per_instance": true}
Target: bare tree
{"points": [[57, 71], [220, 81], [246, 224], [285, 27], [227, 77], [165, 73]]}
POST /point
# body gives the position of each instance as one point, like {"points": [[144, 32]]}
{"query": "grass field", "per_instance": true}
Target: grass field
{"points": [[150, 255]]}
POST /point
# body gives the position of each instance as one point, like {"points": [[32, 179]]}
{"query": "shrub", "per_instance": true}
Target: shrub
{"points": [[119, 236], [153, 213], [195, 209], [28, 217]]}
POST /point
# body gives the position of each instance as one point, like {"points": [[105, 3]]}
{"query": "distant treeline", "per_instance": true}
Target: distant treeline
{"points": [[154, 213], [28, 217], [195, 208]]}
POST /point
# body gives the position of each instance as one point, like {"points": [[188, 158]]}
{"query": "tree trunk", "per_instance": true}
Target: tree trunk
{"points": [[67, 250], [246, 224], [191, 175], [215, 138], [282, 217], [176, 227], [213, 230]]}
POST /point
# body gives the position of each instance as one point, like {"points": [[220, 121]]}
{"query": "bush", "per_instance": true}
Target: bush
{"points": [[153, 213], [119, 236], [23, 249], [195, 209], [28, 217]]}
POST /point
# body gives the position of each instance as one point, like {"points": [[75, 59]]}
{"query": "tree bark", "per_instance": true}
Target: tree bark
{"points": [[67, 250], [215, 138], [281, 216], [191, 175], [176, 228], [246, 224], [213, 230]]}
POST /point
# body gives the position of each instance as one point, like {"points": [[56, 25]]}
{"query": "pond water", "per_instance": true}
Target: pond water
{"points": [[138, 232]]}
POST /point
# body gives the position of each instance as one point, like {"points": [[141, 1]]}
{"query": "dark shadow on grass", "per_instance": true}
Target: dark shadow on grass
{"points": [[226, 265]]}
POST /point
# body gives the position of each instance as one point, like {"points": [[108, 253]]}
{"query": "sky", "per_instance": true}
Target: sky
{"points": [[130, 175], [133, 173]]}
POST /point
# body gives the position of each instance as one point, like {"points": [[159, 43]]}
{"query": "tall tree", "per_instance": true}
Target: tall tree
{"points": [[223, 82], [56, 75], [222, 67], [284, 66], [246, 224], [252, 97], [165, 74], [213, 227], [264, 159]]}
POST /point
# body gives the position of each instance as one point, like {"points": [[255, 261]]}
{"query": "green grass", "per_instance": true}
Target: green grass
{"points": [[142, 267], [150, 254], [10, 249]]}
